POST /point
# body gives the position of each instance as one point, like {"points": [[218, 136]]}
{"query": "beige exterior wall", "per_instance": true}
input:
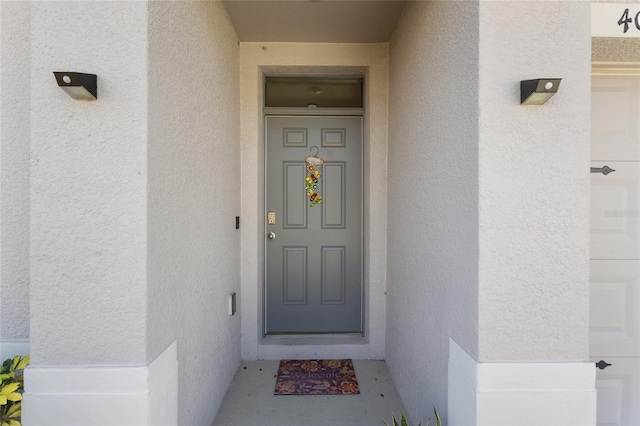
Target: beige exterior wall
{"points": [[433, 199], [15, 70], [88, 185], [133, 199], [488, 207], [193, 198], [534, 184]]}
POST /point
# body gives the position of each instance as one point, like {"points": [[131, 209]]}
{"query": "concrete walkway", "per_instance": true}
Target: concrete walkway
{"points": [[250, 400]]}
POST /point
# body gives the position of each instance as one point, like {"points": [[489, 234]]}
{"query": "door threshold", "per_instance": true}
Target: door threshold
{"points": [[314, 339]]}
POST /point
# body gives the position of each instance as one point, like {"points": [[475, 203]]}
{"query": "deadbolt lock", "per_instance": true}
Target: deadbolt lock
{"points": [[271, 218]]}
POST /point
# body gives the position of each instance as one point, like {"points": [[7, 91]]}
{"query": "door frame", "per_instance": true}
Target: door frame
{"points": [[256, 62], [326, 113]]}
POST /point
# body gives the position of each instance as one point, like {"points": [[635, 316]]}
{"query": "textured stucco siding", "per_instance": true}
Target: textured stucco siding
{"points": [[433, 198], [15, 69], [88, 185], [615, 49], [194, 196], [534, 183]]}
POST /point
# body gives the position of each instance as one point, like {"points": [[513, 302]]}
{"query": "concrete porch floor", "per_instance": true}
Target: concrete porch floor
{"points": [[250, 400]]}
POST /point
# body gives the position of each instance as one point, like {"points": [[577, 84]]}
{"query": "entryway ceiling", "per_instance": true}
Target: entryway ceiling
{"points": [[314, 21]]}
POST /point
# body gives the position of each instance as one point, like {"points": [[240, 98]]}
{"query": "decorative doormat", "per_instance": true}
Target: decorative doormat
{"points": [[316, 377]]}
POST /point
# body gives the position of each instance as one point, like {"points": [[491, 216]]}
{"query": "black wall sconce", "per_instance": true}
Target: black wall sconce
{"points": [[539, 91], [78, 85]]}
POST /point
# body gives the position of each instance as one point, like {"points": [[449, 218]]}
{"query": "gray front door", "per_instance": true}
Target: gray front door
{"points": [[313, 253]]}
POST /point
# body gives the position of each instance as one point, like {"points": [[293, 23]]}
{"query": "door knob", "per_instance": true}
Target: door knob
{"points": [[602, 364], [271, 236]]}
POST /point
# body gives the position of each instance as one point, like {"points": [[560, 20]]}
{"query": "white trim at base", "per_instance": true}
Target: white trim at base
{"points": [[521, 393], [276, 352], [461, 393], [11, 348], [92, 396]]}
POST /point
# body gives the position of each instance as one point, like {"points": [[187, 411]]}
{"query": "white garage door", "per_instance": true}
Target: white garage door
{"points": [[615, 246]]}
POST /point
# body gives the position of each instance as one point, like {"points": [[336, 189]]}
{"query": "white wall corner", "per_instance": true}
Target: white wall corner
{"points": [[462, 384], [11, 348], [163, 388], [100, 396]]}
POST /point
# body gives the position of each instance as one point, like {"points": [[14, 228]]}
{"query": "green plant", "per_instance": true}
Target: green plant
{"points": [[11, 388], [405, 422]]}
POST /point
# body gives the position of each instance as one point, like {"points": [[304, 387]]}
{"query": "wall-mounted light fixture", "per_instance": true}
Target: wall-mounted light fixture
{"points": [[78, 85], [539, 91]]}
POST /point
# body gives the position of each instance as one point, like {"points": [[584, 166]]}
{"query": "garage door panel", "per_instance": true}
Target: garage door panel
{"points": [[614, 315], [618, 392], [615, 108], [614, 323], [615, 211]]}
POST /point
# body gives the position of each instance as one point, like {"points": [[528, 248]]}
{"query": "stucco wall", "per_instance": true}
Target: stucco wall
{"points": [[433, 198], [15, 69], [194, 196], [314, 59], [534, 183], [615, 49], [88, 185]]}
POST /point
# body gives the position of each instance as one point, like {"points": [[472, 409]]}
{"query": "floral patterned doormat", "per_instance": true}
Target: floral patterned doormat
{"points": [[316, 377]]}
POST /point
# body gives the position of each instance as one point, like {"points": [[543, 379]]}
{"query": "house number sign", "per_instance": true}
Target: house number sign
{"points": [[615, 20], [627, 21]]}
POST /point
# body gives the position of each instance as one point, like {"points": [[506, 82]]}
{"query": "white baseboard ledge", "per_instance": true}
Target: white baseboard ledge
{"points": [[519, 393], [97, 396]]}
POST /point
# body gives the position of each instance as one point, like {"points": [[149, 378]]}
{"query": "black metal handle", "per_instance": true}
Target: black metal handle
{"points": [[604, 170], [602, 364]]}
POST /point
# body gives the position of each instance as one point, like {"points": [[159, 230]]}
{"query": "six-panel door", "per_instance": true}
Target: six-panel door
{"points": [[313, 253]]}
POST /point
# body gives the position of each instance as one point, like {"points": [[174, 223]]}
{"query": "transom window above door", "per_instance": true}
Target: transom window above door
{"points": [[313, 92]]}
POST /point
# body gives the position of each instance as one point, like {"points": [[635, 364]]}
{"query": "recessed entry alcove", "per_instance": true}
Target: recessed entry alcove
{"points": [[338, 86]]}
